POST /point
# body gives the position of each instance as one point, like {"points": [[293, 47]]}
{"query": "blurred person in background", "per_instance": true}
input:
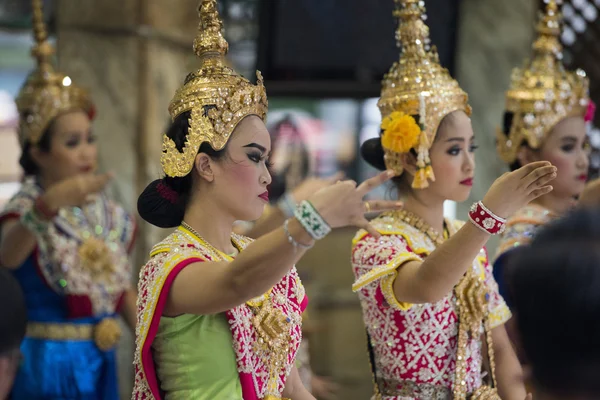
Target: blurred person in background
{"points": [[13, 322], [554, 286], [65, 242], [547, 109], [293, 181], [431, 308]]}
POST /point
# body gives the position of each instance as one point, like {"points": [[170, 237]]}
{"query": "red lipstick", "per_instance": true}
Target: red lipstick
{"points": [[467, 182], [582, 177], [265, 196]]}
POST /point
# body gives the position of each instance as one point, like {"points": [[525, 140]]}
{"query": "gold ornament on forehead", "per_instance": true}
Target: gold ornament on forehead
{"points": [[217, 97], [542, 93], [46, 93], [419, 87]]}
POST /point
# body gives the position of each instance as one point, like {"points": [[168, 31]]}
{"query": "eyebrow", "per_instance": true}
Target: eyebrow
{"points": [[257, 146], [569, 139], [456, 139]]}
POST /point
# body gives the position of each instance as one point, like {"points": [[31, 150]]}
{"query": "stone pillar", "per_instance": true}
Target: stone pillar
{"points": [[494, 36], [132, 55]]}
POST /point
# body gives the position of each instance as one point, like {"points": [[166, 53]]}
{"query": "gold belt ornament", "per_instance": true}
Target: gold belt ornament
{"points": [[105, 334]]}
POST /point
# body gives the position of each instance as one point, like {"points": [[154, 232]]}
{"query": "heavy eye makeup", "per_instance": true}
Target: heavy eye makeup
{"points": [[258, 155], [457, 148]]}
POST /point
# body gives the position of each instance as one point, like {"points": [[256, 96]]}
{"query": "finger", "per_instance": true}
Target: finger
{"points": [[539, 177], [528, 168], [383, 205], [540, 192], [372, 183], [362, 223], [338, 176], [98, 182]]}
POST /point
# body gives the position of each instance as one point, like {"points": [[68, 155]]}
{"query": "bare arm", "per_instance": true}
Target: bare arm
{"points": [[212, 287], [273, 220], [508, 369], [431, 280], [294, 389], [16, 244], [129, 308]]}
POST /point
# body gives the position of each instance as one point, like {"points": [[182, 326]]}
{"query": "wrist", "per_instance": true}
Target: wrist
{"points": [[45, 208], [486, 220], [311, 220], [297, 235], [287, 204]]}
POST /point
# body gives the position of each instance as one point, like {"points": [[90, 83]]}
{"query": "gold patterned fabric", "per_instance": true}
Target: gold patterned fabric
{"points": [[417, 84], [217, 97], [542, 93], [47, 93]]}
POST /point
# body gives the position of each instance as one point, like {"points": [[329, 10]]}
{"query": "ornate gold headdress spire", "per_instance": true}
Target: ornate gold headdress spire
{"points": [[47, 93], [216, 96], [416, 86], [542, 93]]}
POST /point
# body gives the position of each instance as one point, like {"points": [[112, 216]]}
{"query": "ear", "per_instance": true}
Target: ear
{"points": [[204, 167], [527, 155], [409, 163]]}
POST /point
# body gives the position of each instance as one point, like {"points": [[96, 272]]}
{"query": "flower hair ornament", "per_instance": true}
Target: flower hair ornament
{"points": [[416, 85], [215, 95], [46, 93], [543, 93]]}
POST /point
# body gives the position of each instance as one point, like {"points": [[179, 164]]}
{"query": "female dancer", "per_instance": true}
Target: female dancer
{"points": [[220, 317], [433, 314], [66, 243], [546, 111]]}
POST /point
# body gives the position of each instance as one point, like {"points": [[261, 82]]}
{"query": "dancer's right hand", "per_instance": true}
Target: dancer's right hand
{"points": [[514, 190], [342, 204], [75, 191]]}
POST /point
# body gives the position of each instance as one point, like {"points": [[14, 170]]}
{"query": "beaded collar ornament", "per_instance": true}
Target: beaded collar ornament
{"points": [[542, 93], [47, 93], [417, 85], [217, 97]]}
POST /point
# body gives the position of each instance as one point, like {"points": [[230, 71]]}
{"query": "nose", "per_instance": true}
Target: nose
{"points": [[265, 176], [469, 162], [583, 161]]}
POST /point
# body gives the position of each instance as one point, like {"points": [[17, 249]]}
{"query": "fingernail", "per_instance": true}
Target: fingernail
{"points": [[391, 173], [399, 204]]}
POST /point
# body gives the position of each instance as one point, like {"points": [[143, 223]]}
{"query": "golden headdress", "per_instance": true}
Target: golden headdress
{"points": [[416, 86], [542, 93], [217, 97], [47, 93]]}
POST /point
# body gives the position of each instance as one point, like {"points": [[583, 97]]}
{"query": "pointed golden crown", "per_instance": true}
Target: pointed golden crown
{"points": [[417, 85], [47, 93], [542, 93], [216, 95]]}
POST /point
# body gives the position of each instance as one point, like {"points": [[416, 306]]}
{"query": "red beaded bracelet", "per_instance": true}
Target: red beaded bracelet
{"points": [[43, 210], [486, 220]]}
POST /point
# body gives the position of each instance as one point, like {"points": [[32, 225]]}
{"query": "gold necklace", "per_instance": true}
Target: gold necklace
{"points": [[418, 223], [204, 241]]}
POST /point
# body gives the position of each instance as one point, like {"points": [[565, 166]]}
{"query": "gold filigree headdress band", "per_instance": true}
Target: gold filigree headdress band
{"points": [[416, 85], [215, 95], [47, 93], [542, 93]]}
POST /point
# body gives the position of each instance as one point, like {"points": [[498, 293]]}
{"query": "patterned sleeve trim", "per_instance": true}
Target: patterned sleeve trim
{"points": [[384, 270], [387, 289], [499, 315]]}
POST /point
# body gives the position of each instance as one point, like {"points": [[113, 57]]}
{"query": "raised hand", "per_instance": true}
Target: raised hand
{"points": [[342, 204], [75, 191], [514, 190]]}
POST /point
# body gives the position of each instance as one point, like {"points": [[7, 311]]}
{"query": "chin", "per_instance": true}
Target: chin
{"points": [[253, 214], [461, 195]]}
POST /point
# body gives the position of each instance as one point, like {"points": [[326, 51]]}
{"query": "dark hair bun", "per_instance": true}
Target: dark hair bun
{"points": [[161, 205], [372, 152]]}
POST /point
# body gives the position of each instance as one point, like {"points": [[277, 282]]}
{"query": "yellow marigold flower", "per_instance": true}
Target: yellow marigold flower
{"points": [[400, 132]]}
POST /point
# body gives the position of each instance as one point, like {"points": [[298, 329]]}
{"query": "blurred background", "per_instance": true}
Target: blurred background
{"points": [[322, 61]]}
